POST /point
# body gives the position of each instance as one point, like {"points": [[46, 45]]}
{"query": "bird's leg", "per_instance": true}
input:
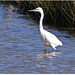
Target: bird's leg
{"points": [[45, 48]]}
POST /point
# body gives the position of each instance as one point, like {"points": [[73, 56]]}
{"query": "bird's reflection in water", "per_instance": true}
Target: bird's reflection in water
{"points": [[48, 54], [46, 59]]}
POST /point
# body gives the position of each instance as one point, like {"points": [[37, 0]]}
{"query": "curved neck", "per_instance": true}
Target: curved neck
{"points": [[41, 20]]}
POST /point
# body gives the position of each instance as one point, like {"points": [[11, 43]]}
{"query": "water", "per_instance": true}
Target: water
{"points": [[21, 49]]}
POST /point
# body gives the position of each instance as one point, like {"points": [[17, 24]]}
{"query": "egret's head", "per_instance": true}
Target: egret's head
{"points": [[39, 9]]}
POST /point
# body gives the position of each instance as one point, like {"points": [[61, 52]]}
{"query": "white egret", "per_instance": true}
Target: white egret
{"points": [[48, 38]]}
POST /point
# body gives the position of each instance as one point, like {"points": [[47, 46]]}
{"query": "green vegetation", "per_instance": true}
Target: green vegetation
{"points": [[60, 13]]}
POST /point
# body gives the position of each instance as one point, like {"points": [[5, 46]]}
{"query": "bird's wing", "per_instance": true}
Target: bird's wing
{"points": [[52, 39]]}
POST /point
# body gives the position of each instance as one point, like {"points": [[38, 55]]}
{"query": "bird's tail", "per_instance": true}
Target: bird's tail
{"points": [[60, 44], [53, 46]]}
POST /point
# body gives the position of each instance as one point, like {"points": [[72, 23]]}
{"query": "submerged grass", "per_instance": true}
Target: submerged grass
{"points": [[60, 13]]}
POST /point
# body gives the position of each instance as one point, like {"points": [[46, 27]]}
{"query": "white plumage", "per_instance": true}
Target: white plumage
{"points": [[48, 38]]}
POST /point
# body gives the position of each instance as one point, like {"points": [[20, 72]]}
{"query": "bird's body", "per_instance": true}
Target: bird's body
{"points": [[48, 38]]}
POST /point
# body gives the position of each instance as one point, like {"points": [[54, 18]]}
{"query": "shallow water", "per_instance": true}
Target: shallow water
{"points": [[21, 49]]}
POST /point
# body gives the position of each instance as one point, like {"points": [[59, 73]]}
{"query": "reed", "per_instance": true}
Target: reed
{"points": [[60, 13]]}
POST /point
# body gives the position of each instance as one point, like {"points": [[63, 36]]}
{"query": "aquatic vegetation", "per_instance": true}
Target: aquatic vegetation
{"points": [[60, 13]]}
